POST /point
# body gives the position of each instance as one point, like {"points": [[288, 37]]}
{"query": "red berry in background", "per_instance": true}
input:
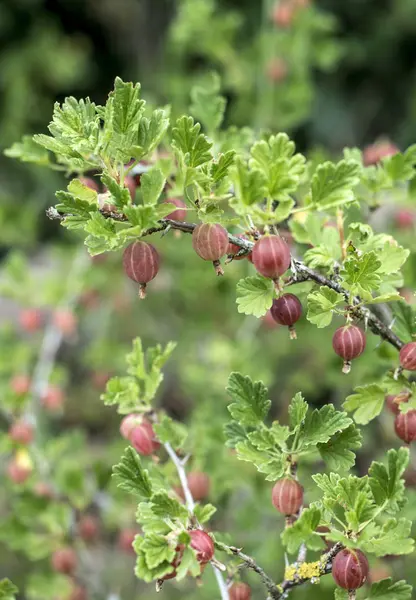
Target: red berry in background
{"points": [[405, 219], [348, 342], [271, 256], [379, 572], [350, 569], [199, 485], [90, 183], [240, 591], [141, 264], [100, 378], [65, 321], [405, 426], [374, 153], [78, 593], [180, 213], [53, 399], [130, 184], [18, 472], [287, 310], [408, 356], [21, 433], [277, 70], [64, 560], [88, 528], [394, 400], [43, 490], [30, 319], [233, 249], [126, 539], [128, 423], [203, 545], [287, 496], [268, 320], [210, 242], [283, 13], [175, 563], [91, 298], [20, 384], [143, 438], [324, 529]]}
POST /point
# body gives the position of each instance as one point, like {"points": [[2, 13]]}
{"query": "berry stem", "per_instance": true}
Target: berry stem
{"points": [[292, 333], [218, 268], [142, 291]]}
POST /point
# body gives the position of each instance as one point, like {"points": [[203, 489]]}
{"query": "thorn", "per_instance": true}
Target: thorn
{"points": [[166, 231]]}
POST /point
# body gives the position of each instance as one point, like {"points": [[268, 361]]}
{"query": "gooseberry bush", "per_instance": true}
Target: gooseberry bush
{"points": [[137, 174]]}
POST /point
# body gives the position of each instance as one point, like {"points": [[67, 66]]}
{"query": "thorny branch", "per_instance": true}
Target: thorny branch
{"points": [[301, 272]]}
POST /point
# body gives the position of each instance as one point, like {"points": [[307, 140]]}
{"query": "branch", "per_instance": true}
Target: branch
{"points": [[302, 272], [250, 563]]}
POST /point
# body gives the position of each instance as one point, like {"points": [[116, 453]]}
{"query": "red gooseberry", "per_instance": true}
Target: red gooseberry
{"points": [[20, 384], [30, 319], [21, 432], [394, 400], [141, 263], [348, 342], [240, 591], [202, 543], [143, 439], [408, 356], [271, 256], [287, 496], [88, 528], [64, 560], [199, 485], [180, 213], [350, 569], [287, 310], [126, 539], [210, 242], [405, 426]]}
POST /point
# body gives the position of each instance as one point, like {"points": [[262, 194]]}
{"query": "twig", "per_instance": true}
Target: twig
{"points": [[190, 504], [251, 564], [303, 273]]}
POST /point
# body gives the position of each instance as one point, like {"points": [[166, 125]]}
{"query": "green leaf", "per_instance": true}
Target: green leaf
{"points": [[281, 167], [251, 405], [103, 236], [404, 320], [8, 590], [337, 452], [126, 107], [387, 590], [29, 151], [47, 586], [234, 433], [207, 105], [204, 513], [189, 564], [340, 594], [186, 138], [250, 185], [366, 403], [321, 304], [142, 570], [392, 538], [298, 409], [386, 482], [321, 424], [120, 195], [361, 274], [271, 465], [255, 295], [332, 184], [401, 167], [220, 167], [157, 550], [170, 431], [303, 531], [393, 297], [152, 184], [166, 507], [130, 475], [392, 257], [151, 132], [123, 391]]}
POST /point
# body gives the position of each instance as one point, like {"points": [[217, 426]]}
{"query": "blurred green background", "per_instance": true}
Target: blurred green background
{"points": [[341, 73]]}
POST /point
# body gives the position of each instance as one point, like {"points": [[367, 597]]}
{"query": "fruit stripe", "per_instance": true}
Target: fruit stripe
{"points": [[271, 256], [141, 262], [405, 426], [287, 496], [210, 241], [408, 356], [350, 569], [349, 342]]}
